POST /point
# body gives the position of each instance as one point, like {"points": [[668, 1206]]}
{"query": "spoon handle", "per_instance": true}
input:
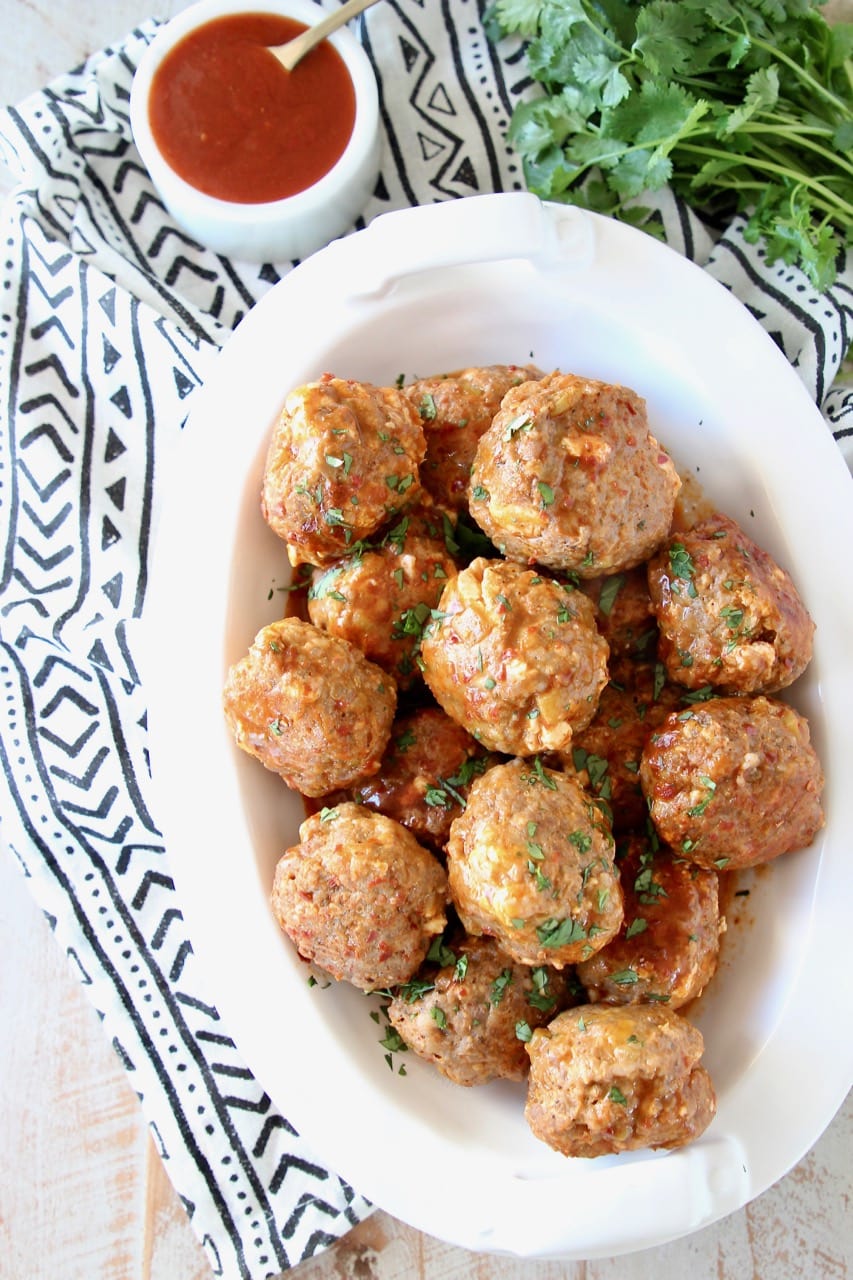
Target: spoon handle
{"points": [[290, 53]]}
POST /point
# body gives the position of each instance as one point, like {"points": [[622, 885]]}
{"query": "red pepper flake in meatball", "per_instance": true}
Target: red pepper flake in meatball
{"points": [[310, 707], [530, 862], [669, 942], [733, 782], [605, 1079], [380, 599], [515, 657], [343, 458], [728, 614], [455, 410], [570, 476], [472, 1016], [359, 897], [425, 774]]}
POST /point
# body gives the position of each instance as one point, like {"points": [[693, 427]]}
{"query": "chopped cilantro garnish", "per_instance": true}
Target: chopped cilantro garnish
{"points": [[521, 422], [710, 787], [624, 977], [539, 774], [559, 933], [541, 997], [439, 953], [581, 840], [499, 986], [414, 990], [680, 561], [426, 408], [412, 622], [610, 588]]}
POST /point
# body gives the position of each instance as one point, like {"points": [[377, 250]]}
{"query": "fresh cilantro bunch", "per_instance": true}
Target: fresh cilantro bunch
{"points": [[740, 105]]}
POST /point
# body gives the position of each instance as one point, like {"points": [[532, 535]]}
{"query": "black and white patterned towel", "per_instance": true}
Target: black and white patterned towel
{"points": [[110, 318]]}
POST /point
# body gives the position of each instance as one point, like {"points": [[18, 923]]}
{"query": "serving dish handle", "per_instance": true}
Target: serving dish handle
{"points": [[490, 228], [647, 1200]]}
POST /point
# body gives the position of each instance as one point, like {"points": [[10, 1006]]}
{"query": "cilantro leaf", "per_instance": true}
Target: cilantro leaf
{"points": [[738, 105]]}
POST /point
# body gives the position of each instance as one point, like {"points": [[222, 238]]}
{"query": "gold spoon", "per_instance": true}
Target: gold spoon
{"points": [[294, 50]]}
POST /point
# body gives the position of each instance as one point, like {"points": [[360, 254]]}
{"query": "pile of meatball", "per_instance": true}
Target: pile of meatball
{"points": [[530, 696]]}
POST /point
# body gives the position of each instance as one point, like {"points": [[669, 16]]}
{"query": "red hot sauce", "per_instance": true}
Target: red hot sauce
{"points": [[234, 124]]}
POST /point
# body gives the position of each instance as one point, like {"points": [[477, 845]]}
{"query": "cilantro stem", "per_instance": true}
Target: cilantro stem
{"points": [[743, 99], [821, 90], [798, 137], [826, 197]]}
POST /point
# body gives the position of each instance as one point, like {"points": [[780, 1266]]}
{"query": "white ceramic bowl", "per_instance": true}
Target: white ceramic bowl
{"points": [[280, 229], [496, 279]]}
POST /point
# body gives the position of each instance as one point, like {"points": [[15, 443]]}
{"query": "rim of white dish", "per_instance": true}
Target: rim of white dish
{"points": [[793, 1062]]}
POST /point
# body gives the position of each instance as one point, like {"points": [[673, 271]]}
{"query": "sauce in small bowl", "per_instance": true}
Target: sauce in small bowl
{"points": [[253, 161]]}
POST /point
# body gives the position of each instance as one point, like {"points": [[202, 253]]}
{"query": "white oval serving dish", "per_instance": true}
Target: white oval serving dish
{"points": [[488, 279]]}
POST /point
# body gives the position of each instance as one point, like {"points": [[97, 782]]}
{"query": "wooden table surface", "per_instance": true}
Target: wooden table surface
{"points": [[83, 1194]]}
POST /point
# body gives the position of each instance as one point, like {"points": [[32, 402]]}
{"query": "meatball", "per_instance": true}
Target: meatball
{"points": [[733, 782], [471, 1017], [343, 458], [425, 774], [605, 1079], [530, 862], [669, 943], [455, 409], [514, 656], [310, 707], [606, 754], [381, 599], [359, 897], [625, 614], [728, 615], [569, 476]]}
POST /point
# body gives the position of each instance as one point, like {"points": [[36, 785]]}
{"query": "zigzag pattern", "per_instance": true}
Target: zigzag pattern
{"points": [[78, 528]]}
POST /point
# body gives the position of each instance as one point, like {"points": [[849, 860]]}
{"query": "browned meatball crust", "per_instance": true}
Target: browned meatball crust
{"points": [[425, 774], [605, 1079], [530, 862], [343, 458], [606, 754], [728, 615], [669, 942], [733, 782], [310, 707], [569, 476], [455, 409], [472, 1016], [515, 657], [381, 599], [359, 897]]}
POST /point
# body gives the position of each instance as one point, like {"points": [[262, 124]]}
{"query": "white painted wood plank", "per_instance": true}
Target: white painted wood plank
{"points": [[71, 1141]]}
